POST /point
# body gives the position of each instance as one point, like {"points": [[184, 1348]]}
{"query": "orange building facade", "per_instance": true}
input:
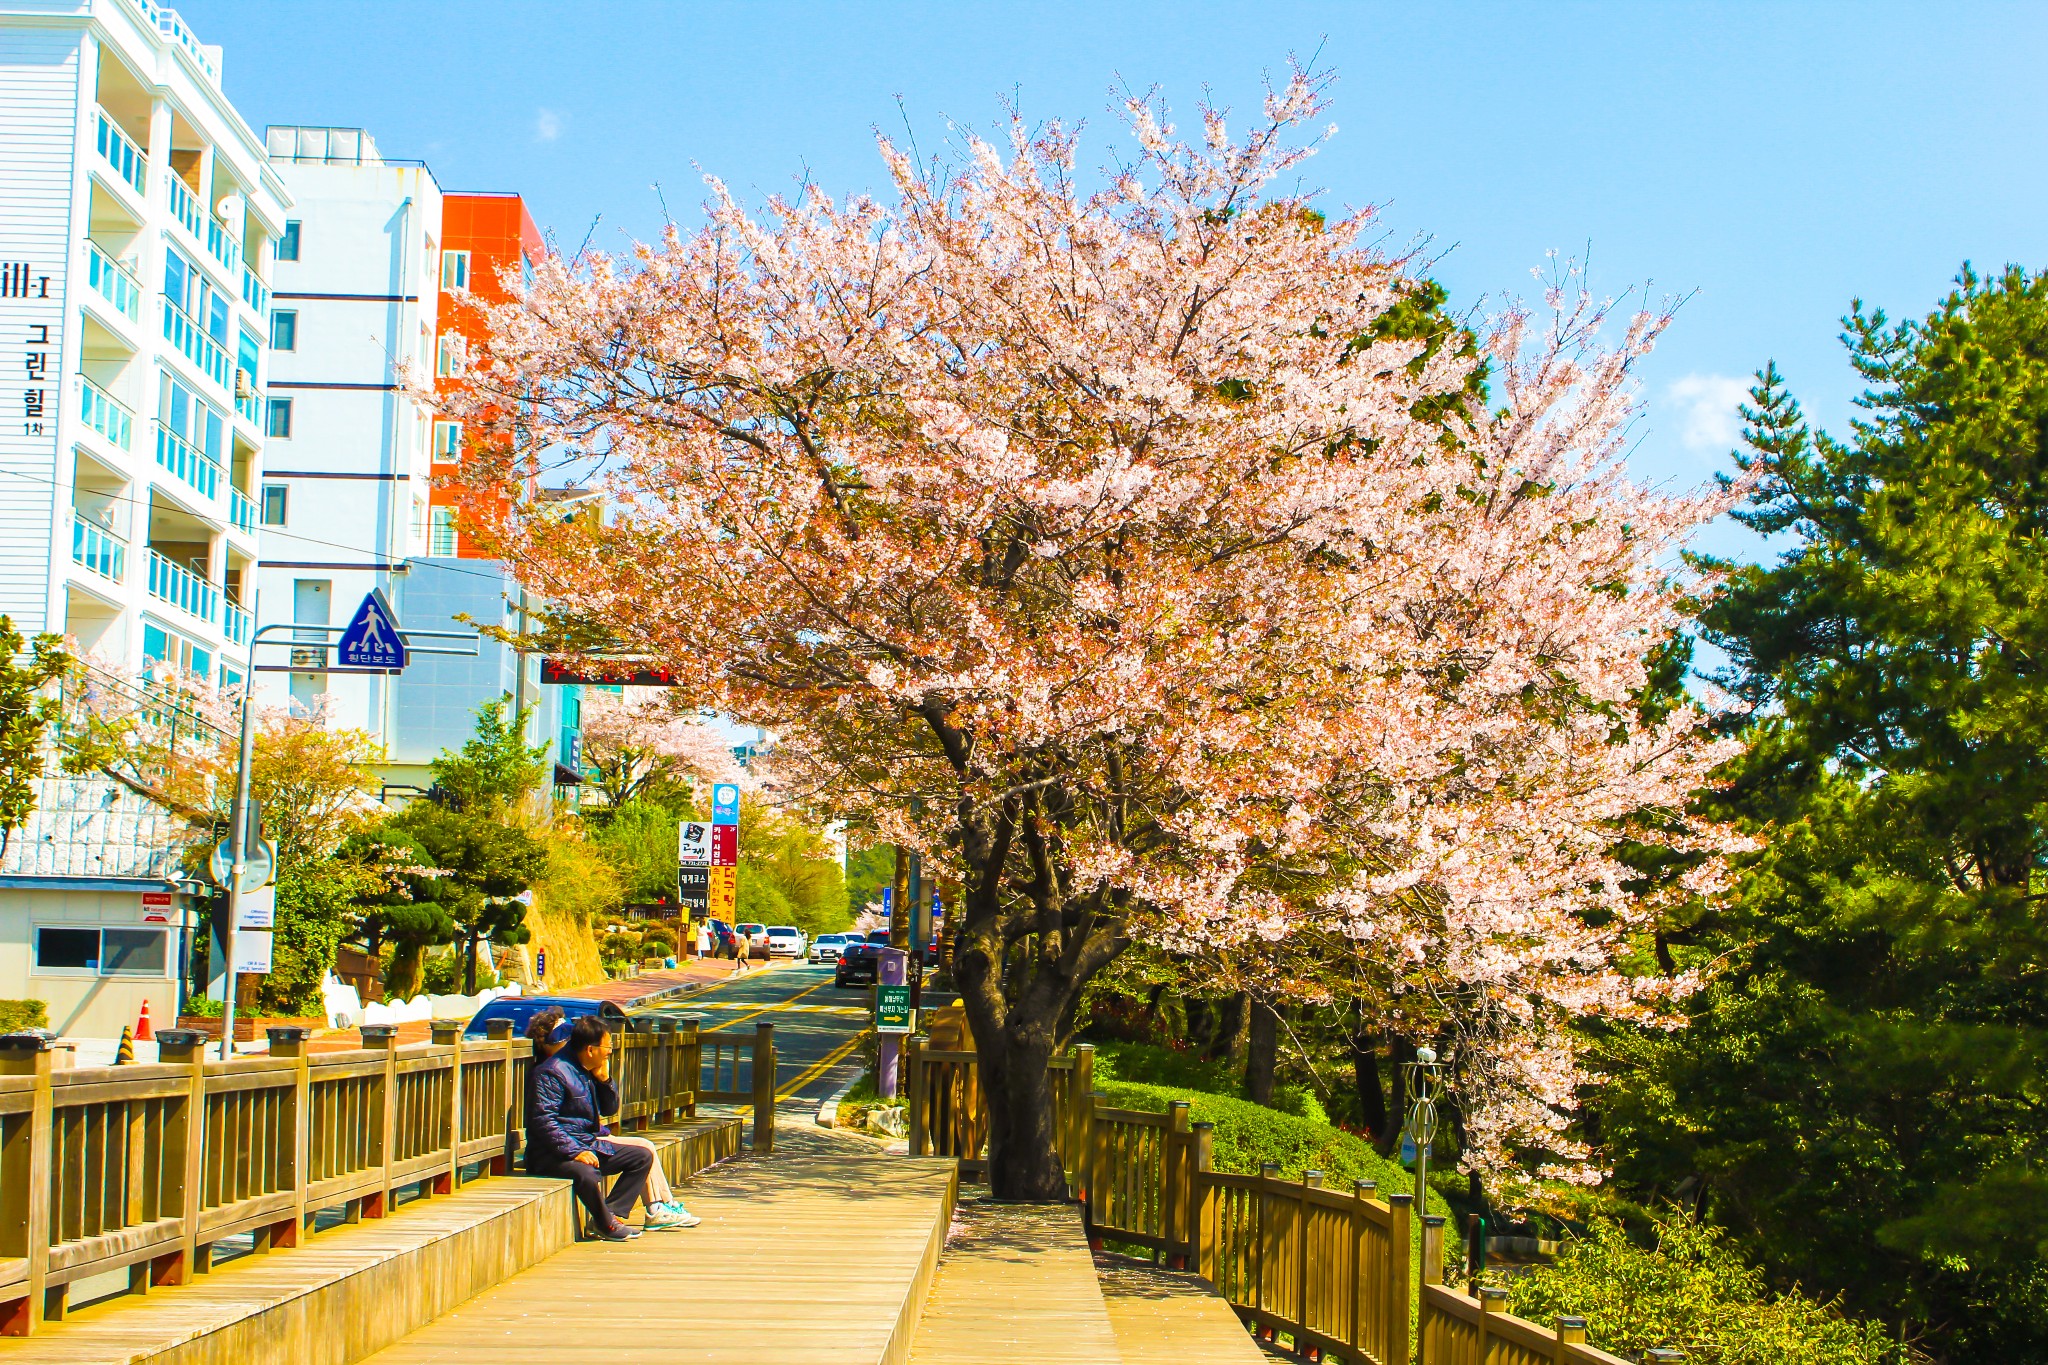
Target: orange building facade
{"points": [[484, 236]]}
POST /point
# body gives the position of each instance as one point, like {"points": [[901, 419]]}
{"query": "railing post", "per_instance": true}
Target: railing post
{"points": [[1097, 1160], [1079, 1085], [448, 1033], [25, 1166], [1491, 1302], [1269, 1176], [691, 1045], [500, 1033], [1174, 1195], [665, 1068], [1354, 1242], [1570, 1332], [1432, 1248], [1203, 1229], [1400, 1237], [914, 1092], [383, 1038], [1310, 1180], [764, 1089], [289, 1040], [184, 1155]]}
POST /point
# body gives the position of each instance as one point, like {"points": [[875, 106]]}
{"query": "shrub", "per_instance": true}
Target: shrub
{"points": [[657, 943], [1248, 1134], [1148, 1064], [16, 1015], [1692, 1291]]}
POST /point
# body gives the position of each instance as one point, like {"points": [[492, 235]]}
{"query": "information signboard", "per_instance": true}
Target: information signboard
{"points": [[723, 899], [892, 1009]]}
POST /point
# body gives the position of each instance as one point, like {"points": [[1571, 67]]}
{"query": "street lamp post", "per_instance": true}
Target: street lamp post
{"points": [[1424, 1082]]}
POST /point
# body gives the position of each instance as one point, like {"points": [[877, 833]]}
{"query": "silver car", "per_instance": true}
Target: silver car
{"points": [[827, 947]]}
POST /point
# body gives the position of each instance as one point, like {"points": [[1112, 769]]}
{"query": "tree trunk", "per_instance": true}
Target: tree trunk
{"points": [[469, 942], [1229, 1024], [1397, 1109], [1365, 1070], [1262, 1051], [1022, 1162], [402, 978]]}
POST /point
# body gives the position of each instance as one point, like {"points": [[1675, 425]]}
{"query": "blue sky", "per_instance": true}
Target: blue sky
{"points": [[1770, 161]]}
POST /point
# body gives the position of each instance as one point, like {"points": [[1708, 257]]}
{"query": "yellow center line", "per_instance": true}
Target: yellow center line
{"points": [[818, 1068], [768, 1009]]}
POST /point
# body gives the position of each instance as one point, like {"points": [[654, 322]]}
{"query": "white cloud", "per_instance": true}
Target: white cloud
{"points": [[1707, 416], [547, 125]]}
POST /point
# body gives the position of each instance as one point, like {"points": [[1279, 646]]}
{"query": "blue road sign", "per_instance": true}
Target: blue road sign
{"points": [[725, 804], [372, 639]]}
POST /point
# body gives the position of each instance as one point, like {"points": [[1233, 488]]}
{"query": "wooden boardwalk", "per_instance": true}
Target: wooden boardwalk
{"points": [[1171, 1317], [1017, 1284], [820, 1253]]}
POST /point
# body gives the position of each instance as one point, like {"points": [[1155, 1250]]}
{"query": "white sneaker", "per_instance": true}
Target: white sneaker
{"points": [[666, 1217]]}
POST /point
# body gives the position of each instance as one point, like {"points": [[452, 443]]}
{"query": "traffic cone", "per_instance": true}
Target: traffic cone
{"points": [[125, 1053], [143, 1032]]}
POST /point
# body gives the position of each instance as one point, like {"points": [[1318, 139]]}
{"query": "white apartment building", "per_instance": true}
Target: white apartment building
{"points": [[345, 490], [137, 217]]}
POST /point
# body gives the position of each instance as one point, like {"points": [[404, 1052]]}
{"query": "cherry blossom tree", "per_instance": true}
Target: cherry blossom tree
{"points": [[638, 739], [1102, 546]]}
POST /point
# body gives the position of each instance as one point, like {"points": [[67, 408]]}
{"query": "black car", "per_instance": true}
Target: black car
{"points": [[859, 964]]}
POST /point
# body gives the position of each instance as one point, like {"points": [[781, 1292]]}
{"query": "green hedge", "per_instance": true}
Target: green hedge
{"points": [[1248, 1134]]}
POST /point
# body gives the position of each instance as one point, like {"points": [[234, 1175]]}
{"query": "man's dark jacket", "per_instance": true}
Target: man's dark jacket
{"points": [[565, 1112]]}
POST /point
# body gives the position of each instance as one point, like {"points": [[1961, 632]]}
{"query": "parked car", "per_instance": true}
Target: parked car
{"points": [[786, 940], [756, 936], [520, 1009], [722, 938], [826, 947]]}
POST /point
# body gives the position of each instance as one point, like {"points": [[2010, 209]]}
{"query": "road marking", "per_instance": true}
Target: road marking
{"points": [[768, 1009], [818, 1068]]}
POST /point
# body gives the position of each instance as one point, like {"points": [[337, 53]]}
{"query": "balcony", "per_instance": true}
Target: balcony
{"points": [[188, 462], [199, 348], [185, 205], [236, 624], [241, 511], [179, 586], [223, 246], [118, 150], [256, 294], [97, 548], [249, 403], [111, 280], [107, 415]]}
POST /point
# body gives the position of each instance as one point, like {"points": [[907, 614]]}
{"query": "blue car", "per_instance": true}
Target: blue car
{"points": [[520, 1009]]}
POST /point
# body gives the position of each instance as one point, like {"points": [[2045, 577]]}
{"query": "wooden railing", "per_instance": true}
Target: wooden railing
{"points": [[1334, 1271], [718, 1075], [147, 1167]]}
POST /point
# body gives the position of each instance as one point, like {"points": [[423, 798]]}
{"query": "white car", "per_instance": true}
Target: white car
{"points": [[785, 941], [827, 947]]}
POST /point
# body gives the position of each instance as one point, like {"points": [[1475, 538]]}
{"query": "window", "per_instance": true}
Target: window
{"points": [[441, 533], [280, 424], [455, 270], [68, 950], [274, 495], [192, 420], [447, 442], [284, 331], [132, 952], [181, 281], [288, 245], [448, 356], [161, 646]]}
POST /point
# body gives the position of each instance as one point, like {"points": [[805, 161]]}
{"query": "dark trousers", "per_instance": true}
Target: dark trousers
{"points": [[629, 1164]]}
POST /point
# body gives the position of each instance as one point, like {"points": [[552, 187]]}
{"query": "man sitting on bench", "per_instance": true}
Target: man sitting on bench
{"points": [[571, 1093]]}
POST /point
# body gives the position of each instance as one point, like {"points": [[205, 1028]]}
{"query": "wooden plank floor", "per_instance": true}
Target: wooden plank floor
{"points": [[1171, 1317], [139, 1327], [821, 1252], [1016, 1284]]}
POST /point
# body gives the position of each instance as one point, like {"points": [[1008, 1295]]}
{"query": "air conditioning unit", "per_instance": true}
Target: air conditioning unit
{"points": [[245, 384]]}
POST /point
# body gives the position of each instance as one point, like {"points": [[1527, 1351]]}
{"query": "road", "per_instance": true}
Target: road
{"points": [[816, 1023]]}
